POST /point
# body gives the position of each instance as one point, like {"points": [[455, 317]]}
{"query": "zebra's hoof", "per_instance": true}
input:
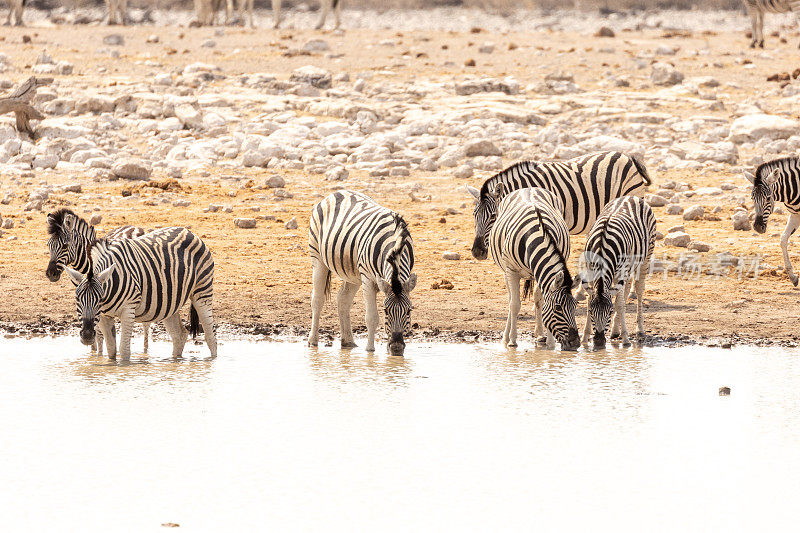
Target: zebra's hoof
{"points": [[511, 345], [626, 343], [350, 344], [794, 279], [541, 340]]}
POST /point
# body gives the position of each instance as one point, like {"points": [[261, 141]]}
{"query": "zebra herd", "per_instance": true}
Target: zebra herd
{"points": [[524, 217]]}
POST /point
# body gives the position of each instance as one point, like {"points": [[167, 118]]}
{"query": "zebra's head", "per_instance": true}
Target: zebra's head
{"points": [[62, 242], [558, 311], [88, 296], [397, 283], [601, 308], [763, 194], [487, 199]]}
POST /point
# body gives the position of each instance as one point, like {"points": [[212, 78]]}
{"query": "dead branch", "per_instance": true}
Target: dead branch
{"points": [[18, 103]]}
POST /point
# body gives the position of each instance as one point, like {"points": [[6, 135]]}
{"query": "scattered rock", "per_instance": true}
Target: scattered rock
{"points": [[276, 181], [674, 209], [244, 223], [725, 391], [291, 224], [655, 200], [605, 31], [694, 213], [762, 126], [314, 76], [463, 172], [665, 74], [114, 39], [316, 45], [444, 284], [677, 238], [741, 221], [481, 148], [699, 246], [131, 169], [451, 256]]}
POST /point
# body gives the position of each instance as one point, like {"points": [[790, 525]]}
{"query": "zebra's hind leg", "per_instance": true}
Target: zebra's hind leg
{"points": [[639, 305], [321, 279], [204, 313], [371, 307], [514, 305], [791, 227], [106, 326], [146, 328], [276, 14], [177, 333], [324, 7], [588, 328], [619, 318], [345, 304]]}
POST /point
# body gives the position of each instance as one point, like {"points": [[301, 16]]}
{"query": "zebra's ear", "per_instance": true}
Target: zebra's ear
{"points": [[409, 285], [772, 177], [384, 286], [558, 280], [103, 276], [576, 282], [750, 176], [69, 222], [74, 275], [476, 193]]}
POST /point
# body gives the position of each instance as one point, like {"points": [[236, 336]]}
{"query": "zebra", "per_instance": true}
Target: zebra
{"points": [[777, 180], [584, 185], [69, 242], [147, 279], [756, 8], [530, 241], [618, 251], [368, 245]]}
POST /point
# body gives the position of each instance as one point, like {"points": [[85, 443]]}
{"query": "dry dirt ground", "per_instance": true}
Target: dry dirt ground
{"points": [[263, 275]]}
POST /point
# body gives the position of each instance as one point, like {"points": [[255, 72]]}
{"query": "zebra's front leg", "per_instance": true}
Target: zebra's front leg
{"points": [[126, 332], [791, 227], [320, 279], [514, 305], [206, 315], [540, 333], [177, 333], [146, 328], [337, 13], [587, 330], [106, 326], [326, 5], [276, 14], [619, 319], [371, 307], [345, 303]]}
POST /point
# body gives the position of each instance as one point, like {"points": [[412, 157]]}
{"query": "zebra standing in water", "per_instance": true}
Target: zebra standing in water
{"points": [[530, 241], [69, 243], [584, 185], [365, 245], [148, 279], [756, 10], [618, 251], [777, 180]]}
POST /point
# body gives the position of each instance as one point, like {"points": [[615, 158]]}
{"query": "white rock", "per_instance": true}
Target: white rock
{"points": [[114, 39], [131, 169], [337, 174], [741, 221], [486, 48], [698, 246], [163, 79], [291, 224], [677, 238], [674, 209], [312, 75], [244, 223], [96, 219], [451, 256], [276, 182], [316, 45], [254, 158], [655, 200], [694, 213], [760, 125], [481, 147], [463, 172], [189, 115], [665, 74], [45, 161]]}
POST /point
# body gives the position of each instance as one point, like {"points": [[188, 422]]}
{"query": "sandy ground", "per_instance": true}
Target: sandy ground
{"points": [[263, 275]]}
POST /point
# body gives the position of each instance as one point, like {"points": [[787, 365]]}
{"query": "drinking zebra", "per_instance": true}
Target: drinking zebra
{"points": [[777, 181], [584, 185], [530, 241], [618, 251], [147, 279], [69, 243], [365, 245], [756, 9]]}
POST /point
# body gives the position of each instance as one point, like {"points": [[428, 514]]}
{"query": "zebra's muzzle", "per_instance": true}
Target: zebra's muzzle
{"points": [[53, 271], [759, 225], [573, 340], [599, 339], [87, 332], [397, 346], [479, 250]]}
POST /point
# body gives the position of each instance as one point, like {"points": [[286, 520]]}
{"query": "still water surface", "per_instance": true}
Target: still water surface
{"points": [[275, 436]]}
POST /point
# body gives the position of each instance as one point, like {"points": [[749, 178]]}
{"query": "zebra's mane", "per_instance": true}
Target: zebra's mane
{"points": [[567, 281], [769, 164], [96, 247], [402, 238], [55, 220], [603, 233]]}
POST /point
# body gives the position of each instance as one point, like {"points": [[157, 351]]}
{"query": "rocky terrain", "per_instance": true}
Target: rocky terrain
{"points": [[236, 133]]}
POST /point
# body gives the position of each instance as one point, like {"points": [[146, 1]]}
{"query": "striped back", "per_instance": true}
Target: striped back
{"points": [[584, 185], [772, 6], [531, 239], [776, 180], [619, 244]]}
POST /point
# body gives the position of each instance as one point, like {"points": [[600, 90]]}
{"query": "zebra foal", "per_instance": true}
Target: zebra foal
{"points": [[584, 185], [70, 238], [618, 251], [757, 8], [530, 241], [147, 279], [777, 181], [369, 246]]}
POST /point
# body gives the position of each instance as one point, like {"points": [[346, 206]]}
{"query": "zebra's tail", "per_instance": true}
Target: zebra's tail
{"points": [[328, 286], [194, 322], [641, 169], [526, 289]]}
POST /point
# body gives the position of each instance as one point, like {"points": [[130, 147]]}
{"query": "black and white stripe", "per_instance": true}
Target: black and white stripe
{"points": [[146, 279], [584, 185], [69, 242], [617, 253], [777, 181], [756, 10], [365, 245], [530, 241]]}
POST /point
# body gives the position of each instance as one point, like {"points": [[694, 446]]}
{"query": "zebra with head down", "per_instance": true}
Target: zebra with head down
{"points": [[70, 239], [369, 246]]}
